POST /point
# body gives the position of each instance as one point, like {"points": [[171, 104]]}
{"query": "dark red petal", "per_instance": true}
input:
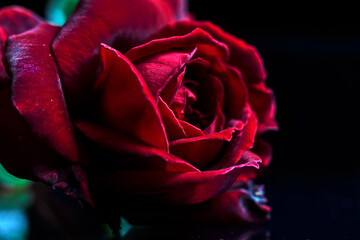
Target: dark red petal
{"points": [[245, 58], [242, 205], [126, 102], [159, 69], [21, 151], [174, 129], [264, 150], [242, 55], [13, 20], [174, 187], [262, 100], [201, 151], [23, 154], [250, 174], [172, 87], [261, 152], [190, 130], [242, 141], [37, 93], [236, 94], [211, 100], [142, 156], [120, 24], [205, 43]]}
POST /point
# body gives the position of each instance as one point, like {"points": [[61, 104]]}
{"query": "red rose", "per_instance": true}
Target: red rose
{"points": [[142, 115]]}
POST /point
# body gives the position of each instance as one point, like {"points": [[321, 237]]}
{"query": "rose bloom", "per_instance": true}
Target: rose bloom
{"points": [[138, 110]]}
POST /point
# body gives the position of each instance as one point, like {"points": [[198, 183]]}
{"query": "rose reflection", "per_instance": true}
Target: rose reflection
{"points": [[207, 232]]}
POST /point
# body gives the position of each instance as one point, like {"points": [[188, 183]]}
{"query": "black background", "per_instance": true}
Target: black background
{"points": [[312, 57]]}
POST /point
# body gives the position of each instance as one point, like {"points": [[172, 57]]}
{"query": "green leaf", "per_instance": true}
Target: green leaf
{"points": [[58, 11], [10, 180]]}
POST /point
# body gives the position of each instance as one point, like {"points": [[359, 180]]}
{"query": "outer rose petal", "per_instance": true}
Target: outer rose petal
{"points": [[120, 24], [37, 93], [241, 205], [243, 56], [262, 100], [25, 155], [13, 20], [173, 187], [126, 102], [205, 43]]}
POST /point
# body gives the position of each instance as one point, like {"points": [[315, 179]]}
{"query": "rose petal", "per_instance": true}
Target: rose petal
{"points": [[174, 187], [23, 154], [13, 20], [120, 24], [264, 150], [126, 102], [245, 58], [129, 153], [250, 174], [173, 127], [262, 100], [172, 87], [261, 152], [241, 142], [159, 69], [37, 93], [210, 101], [236, 94], [206, 45], [190, 130], [242, 55], [201, 151], [236, 206]]}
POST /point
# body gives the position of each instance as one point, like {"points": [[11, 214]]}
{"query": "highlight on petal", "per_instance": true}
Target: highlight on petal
{"points": [[206, 45], [201, 151], [159, 69], [13, 20], [126, 103], [120, 24], [36, 88]]}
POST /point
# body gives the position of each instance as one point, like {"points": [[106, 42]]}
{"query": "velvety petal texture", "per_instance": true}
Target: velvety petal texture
{"points": [[120, 24], [36, 88], [126, 102], [13, 20], [245, 58]]}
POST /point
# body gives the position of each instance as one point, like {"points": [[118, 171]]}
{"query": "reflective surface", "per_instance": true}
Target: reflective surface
{"points": [[302, 208]]}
